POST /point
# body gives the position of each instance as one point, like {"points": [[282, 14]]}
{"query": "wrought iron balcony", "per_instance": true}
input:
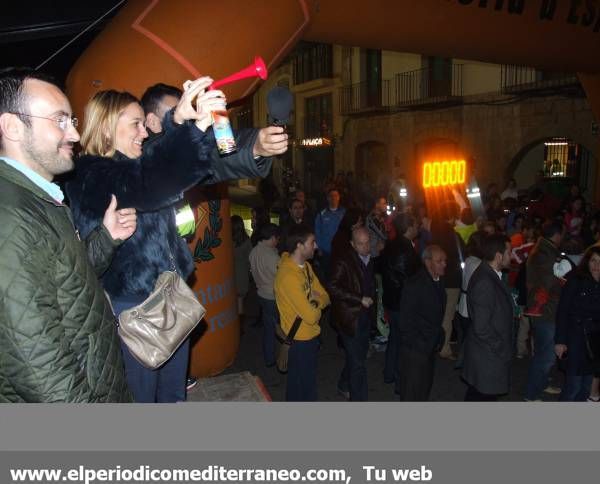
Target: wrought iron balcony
{"points": [[418, 87], [520, 79]]}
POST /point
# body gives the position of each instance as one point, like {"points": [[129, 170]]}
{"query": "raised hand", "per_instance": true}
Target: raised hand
{"points": [[197, 103], [270, 141], [121, 224]]}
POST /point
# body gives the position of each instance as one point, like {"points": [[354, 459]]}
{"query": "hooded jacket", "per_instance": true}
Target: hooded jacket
{"points": [[541, 278], [298, 292]]}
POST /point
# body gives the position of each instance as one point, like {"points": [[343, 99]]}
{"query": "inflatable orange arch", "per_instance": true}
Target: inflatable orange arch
{"points": [[152, 41]]}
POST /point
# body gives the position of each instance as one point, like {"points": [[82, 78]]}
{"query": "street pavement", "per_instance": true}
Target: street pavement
{"points": [[447, 385]]}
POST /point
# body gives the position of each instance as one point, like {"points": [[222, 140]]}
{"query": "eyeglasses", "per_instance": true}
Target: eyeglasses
{"points": [[62, 121]]}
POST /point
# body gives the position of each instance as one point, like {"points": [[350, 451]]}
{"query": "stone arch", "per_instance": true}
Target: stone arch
{"points": [[588, 161], [520, 155]]}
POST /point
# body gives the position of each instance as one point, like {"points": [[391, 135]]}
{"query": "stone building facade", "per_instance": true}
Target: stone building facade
{"points": [[496, 117], [497, 136]]}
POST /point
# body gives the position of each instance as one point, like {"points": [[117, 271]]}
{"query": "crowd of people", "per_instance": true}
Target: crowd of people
{"points": [[479, 282], [511, 275]]}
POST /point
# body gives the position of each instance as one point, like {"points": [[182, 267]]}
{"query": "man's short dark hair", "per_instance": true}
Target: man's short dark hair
{"points": [[12, 96], [475, 242], [155, 94], [550, 229], [267, 231], [298, 234], [492, 244], [466, 216]]}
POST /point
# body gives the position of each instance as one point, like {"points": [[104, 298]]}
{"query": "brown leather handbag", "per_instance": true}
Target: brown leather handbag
{"points": [[154, 329]]}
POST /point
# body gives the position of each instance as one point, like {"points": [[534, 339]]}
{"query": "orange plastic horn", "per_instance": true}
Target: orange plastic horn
{"points": [[257, 69]]}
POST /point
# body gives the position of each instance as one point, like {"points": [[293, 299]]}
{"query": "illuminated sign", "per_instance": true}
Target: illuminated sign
{"points": [[444, 173], [312, 142]]}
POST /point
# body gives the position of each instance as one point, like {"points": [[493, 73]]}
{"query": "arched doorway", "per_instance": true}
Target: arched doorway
{"points": [[562, 160]]}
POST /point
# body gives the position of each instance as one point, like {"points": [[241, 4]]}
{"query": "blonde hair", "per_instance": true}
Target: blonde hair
{"points": [[100, 121]]}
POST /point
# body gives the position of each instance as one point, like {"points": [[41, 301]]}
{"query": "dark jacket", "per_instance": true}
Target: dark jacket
{"points": [[398, 261], [58, 336], [170, 164], [340, 244], [579, 305], [488, 342], [541, 278], [350, 281], [421, 313], [444, 235]]}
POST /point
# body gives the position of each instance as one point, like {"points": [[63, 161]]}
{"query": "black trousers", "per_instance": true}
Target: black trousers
{"points": [[474, 395], [415, 376]]}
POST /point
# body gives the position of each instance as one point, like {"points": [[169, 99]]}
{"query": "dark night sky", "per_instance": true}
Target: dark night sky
{"points": [[31, 31]]}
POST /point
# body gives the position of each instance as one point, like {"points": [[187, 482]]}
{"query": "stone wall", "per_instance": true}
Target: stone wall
{"points": [[494, 130]]}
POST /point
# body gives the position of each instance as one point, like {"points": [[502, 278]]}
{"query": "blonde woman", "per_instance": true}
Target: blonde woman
{"points": [[151, 178]]}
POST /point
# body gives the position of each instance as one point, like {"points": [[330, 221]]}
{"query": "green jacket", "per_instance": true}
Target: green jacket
{"points": [[58, 339]]}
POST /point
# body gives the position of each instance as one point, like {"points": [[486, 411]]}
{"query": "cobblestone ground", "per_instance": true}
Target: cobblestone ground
{"points": [[447, 384]]}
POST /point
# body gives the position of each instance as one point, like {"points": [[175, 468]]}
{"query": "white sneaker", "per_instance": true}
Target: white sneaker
{"points": [[552, 390]]}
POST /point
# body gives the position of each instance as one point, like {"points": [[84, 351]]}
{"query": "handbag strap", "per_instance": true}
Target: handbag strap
{"points": [[293, 330], [296, 324], [112, 309]]}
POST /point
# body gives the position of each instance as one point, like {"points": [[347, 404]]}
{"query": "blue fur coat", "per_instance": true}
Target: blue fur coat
{"points": [[179, 158]]}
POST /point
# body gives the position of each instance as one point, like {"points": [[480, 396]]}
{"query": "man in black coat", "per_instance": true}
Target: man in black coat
{"points": [[444, 235], [488, 343], [398, 262], [352, 292], [421, 335]]}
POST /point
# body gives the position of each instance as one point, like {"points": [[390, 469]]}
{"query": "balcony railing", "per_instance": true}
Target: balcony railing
{"points": [[407, 88], [520, 78], [362, 97]]}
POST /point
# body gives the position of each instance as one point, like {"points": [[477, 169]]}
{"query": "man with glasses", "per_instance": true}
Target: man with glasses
{"points": [[58, 340], [62, 120]]}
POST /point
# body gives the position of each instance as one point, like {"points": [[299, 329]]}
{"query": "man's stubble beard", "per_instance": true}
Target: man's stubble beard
{"points": [[50, 161]]}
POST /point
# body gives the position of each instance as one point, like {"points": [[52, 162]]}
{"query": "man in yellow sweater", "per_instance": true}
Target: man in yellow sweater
{"points": [[299, 293]]}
